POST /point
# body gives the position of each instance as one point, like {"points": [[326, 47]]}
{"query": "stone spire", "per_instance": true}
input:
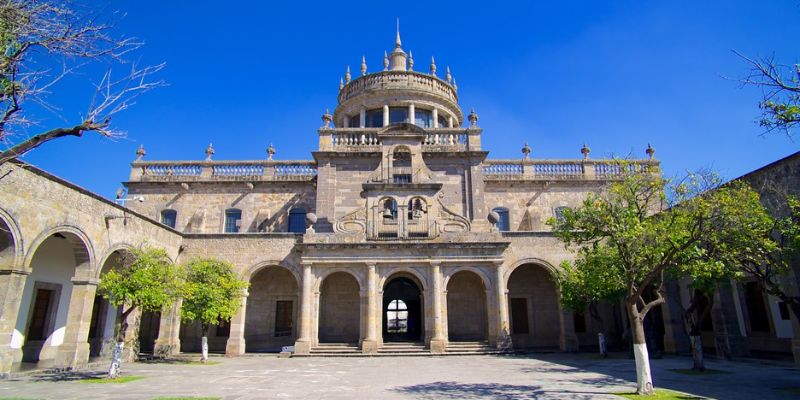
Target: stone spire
{"points": [[326, 119], [385, 61], [363, 65], [398, 56], [140, 153], [433, 66], [447, 76], [410, 61], [341, 83], [347, 75], [209, 151]]}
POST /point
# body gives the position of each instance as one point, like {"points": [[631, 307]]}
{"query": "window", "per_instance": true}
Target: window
{"points": [[503, 223], [443, 123], [559, 213], [283, 318], [423, 118], [168, 218], [354, 121], [398, 115], [401, 158], [783, 309], [297, 220], [397, 317], [401, 178], [389, 209], [233, 220], [374, 118]]}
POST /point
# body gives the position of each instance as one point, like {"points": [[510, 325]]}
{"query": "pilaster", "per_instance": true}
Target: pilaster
{"points": [[438, 343], [303, 343], [236, 344], [12, 283], [168, 342], [503, 331], [370, 344], [73, 353]]}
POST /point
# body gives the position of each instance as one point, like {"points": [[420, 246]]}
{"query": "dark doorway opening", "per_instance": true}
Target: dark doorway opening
{"points": [[402, 311]]}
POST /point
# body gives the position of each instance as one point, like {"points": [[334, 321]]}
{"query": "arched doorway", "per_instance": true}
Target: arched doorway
{"points": [[339, 309], [8, 247], [533, 308], [403, 320], [272, 310], [42, 320], [104, 315], [466, 308]]}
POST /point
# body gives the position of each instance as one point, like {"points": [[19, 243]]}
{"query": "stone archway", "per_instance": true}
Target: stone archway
{"points": [[533, 308], [104, 315], [340, 309], [402, 311], [466, 308], [45, 308], [8, 245], [272, 310]]}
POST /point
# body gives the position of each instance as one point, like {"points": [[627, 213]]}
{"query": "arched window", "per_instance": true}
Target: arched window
{"points": [[503, 224], [169, 217], [389, 209], [397, 317], [233, 220], [416, 209], [297, 220]]}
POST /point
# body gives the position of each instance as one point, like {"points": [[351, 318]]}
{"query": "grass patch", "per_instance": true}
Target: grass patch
{"points": [[187, 398], [121, 379], [661, 394], [708, 371]]}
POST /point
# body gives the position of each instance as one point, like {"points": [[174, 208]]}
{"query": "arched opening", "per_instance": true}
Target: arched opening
{"points": [[42, 320], [417, 221], [339, 309], [8, 252], [533, 308], [272, 310], [104, 315], [387, 224], [402, 316], [466, 308]]}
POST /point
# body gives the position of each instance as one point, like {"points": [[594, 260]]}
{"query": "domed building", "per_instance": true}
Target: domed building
{"points": [[400, 235]]}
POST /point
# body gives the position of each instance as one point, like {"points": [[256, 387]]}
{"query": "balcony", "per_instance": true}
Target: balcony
{"points": [[199, 171], [563, 170]]}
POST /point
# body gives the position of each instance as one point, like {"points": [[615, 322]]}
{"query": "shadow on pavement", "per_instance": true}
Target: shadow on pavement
{"points": [[456, 390]]}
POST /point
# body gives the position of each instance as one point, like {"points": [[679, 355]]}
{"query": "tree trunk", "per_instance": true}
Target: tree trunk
{"points": [[120, 328], [693, 319], [601, 336], [644, 380], [204, 345]]}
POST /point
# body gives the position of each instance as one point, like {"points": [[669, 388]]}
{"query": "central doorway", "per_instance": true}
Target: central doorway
{"points": [[402, 311]]}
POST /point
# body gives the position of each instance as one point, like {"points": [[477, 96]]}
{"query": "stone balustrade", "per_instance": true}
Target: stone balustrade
{"points": [[494, 170], [257, 170], [398, 80], [368, 139]]}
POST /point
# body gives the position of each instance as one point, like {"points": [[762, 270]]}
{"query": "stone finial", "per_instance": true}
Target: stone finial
{"points": [[311, 219], [447, 75], [363, 65], [397, 42], [347, 75], [410, 61], [433, 66], [493, 218], [209, 151], [270, 151], [650, 151], [140, 153], [385, 61], [455, 85], [341, 83], [473, 118], [526, 151], [585, 150], [326, 119]]}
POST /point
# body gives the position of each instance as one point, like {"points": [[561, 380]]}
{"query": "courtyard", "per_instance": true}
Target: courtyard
{"points": [[543, 376]]}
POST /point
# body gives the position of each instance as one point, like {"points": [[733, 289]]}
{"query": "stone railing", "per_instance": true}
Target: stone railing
{"points": [[368, 139], [398, 80], [258, 170], [546, 170]]}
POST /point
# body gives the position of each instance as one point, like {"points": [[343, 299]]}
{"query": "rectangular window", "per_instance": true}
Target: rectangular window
{"points": [[423, 118], [374, 118], [783, 309], [168, 218], [297, 221], [233, 220], [402, 178], [398, 115], [503, 224], [283, 318], [40, 315], [519, 317]]}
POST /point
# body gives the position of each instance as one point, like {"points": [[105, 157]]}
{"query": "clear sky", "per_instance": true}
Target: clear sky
{"points": [[616, 76]]}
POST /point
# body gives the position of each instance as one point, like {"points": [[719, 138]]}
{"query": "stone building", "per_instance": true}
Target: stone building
{"points": [[400, 235]]}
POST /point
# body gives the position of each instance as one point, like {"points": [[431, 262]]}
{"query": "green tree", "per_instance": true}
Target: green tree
{"points": [[147, 280], [212, 294], [634, 234]]}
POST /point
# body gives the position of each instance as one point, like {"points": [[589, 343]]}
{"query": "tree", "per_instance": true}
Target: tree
{"points": [[634, 234], [780, 83], [43, 43], [148, 281], [212, 294]]}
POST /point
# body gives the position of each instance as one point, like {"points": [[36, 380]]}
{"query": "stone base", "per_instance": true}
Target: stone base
{"points": [[165, 349], [234, 348], [369, 347], [303, 348], [438, 346], [72, 356], [504, 343], [6, 362]]}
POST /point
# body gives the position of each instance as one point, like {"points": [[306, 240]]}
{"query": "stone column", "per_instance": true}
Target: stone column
{"points": [[385, 115], [12, 283], [728, 339], [438, 343], [362, 118], [370, 344], [503, 331], [303, 344], [168, 342], [236, 343], [411, 116], [73, 353], [435, 115], [568, 341]]}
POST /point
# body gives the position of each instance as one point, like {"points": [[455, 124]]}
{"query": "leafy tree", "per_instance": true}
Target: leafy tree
{"points": [[43, 43], [147, 280], [212, 294], [633, 235]]}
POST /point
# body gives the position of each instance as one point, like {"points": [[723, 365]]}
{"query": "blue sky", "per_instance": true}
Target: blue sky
{"points": [[616, 76]]}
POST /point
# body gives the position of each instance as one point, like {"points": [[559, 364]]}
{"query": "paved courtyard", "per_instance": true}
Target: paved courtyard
{"points": [[556, 376]]}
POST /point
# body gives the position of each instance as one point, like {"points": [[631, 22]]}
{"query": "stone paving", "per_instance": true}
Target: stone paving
{"points": [[553, 376]]}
